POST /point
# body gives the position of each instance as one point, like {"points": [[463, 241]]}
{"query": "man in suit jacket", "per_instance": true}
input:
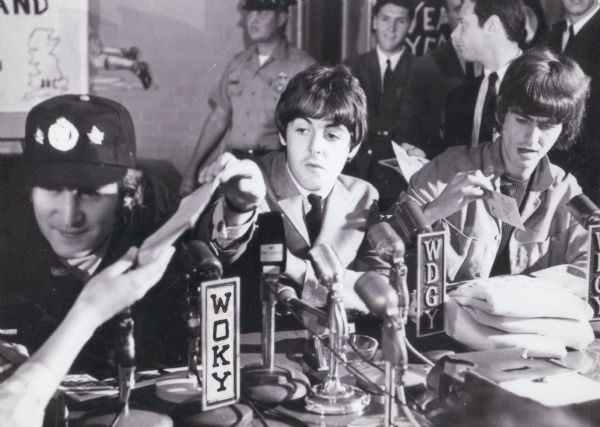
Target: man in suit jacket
{"points": [[321, 117], [382, 73], [430, 79], [584, 47], [489, 32]]}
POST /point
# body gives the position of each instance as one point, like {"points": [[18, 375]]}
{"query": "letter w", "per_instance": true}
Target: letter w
{"points": [[219, 304], [432, 247]]}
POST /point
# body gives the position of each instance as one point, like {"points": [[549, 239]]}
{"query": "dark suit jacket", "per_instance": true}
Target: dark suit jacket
{"points": [[582, 159], [349, 209], [383, 108], [431, 77], [459, 112]]}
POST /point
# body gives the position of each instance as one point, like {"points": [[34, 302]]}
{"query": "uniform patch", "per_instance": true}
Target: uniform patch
{"points": [[63, 135], [39, 136], [96, 136], [281, 81]]}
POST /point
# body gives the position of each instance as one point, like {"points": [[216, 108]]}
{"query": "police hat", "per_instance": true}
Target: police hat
{"points": [[268, 4], [76, 141]]}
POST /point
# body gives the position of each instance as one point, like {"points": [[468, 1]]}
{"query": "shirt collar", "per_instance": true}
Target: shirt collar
{"points": [[394, 59], [579, 24], [84, 267], [502, 70]]}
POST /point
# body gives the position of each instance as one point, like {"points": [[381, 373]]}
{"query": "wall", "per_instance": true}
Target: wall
{"points": [[187, 44]]}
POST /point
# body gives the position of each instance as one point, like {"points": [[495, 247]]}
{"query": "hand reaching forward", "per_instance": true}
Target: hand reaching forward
{"points": [[117, 286]]}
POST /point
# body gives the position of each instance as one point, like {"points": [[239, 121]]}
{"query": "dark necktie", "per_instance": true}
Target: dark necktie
{"points": [[314, 217], [571, 40], [488, 114], [387, 76]]}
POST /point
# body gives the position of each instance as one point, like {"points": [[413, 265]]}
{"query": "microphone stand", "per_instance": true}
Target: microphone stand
{"points": [[332, 396], [266, 382], [124, 416]]}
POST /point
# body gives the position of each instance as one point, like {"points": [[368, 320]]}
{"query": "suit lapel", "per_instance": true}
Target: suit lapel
{"points": [[374, 74], [337, 229], [287, 196]]}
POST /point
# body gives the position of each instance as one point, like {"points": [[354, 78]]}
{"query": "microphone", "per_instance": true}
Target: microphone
{"points": [[588, 215], [390, 247], [266, 382], [126, 355], [382, 301], [327, 266], [386, 242], [200, 262], [200, 265], [332, 396], [584, 210], [411, 220]]}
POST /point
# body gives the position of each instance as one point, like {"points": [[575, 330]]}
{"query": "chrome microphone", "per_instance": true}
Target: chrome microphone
{"points": [[584, 210]]}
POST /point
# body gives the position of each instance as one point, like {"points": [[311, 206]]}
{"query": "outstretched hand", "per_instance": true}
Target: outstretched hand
{"points": [[118, 286], [242, 181]]}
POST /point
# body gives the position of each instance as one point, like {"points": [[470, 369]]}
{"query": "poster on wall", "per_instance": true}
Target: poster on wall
{"points": [[44, 51]]}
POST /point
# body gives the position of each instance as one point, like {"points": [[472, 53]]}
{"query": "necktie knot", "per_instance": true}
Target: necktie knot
{"points": [[492, 79], [315, 201]]}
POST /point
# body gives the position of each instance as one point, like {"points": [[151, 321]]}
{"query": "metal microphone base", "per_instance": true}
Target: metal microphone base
{"points": [[273, 385], [177, 390], [346, 399], [133, 418], [189, 414]]}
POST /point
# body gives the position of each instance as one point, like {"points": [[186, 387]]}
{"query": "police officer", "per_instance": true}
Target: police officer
{"points": [[242, 120]]}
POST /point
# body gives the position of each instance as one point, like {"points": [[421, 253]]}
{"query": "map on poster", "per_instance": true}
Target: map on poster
{"points": [[44, 51]]}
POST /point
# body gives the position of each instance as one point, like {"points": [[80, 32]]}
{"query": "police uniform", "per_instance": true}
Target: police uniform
{"points": [[249, 92]]}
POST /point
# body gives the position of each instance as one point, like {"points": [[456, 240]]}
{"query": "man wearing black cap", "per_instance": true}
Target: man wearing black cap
{"points": [[242, 120], [89, 206]]}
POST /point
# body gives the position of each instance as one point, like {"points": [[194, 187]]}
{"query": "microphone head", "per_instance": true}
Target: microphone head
{"points": [[386, 242], [411, 220], [377, 294], [271, 240], [584, 210], [199, 259], [327, 265]]}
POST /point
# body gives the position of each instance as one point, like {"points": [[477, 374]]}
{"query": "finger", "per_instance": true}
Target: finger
{"points": [[239, 169], [479, 179], [255, 187], [147, 276], [122, 265]]}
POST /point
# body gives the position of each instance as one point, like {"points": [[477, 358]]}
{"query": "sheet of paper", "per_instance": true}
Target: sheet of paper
{"points": [[407, 164], [190, 209], [504, 208]]}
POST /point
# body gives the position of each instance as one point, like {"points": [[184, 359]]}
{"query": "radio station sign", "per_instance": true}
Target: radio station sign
{"points": [[220, 342], [594, 270], [431, 283], [44, 53]]}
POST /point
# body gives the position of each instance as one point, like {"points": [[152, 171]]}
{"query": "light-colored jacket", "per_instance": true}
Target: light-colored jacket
{"points": [[551, 237]]}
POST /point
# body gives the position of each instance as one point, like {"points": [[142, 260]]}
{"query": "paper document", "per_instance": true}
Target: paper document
{"points": [[190, 209], [504, 208], [407, 164]]}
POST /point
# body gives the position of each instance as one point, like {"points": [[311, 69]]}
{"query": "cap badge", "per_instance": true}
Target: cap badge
{"points": [[96, 136], [39, 136], [63, 135]]}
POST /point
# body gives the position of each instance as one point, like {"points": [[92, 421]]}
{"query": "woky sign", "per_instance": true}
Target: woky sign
{"points": [[220, 342], [431, 283]]}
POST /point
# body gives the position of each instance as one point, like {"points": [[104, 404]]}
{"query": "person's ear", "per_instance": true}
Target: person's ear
{"points": [[282, 18], [353, 152], [493, 24], [281, 139]]}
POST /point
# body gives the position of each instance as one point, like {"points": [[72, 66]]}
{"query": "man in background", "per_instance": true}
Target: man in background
{"points": [[578, 36], [489, 32], [382, 73], [431, 78], [244, 103]]}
